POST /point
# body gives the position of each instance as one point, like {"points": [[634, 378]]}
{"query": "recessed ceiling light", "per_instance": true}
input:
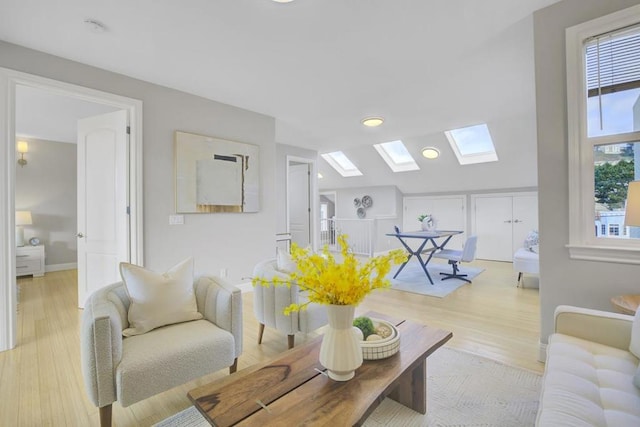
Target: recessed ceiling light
{"points": [[430, 153], [283, 1], [94, 26], [372, 121]]}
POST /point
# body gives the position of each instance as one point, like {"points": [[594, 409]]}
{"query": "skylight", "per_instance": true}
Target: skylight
{"points": [[341, 163], [396, 155], [472, 144]]}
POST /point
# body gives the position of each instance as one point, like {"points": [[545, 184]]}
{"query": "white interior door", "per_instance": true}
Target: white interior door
{"points": [[525, 218], [103, 221], [493, 225], [298, 190]]}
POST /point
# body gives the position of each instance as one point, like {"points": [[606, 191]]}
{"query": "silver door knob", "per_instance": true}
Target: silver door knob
{"points": [[508, 222], [80, 235]]}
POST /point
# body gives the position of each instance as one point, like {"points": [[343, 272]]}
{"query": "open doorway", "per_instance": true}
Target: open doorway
{"points": [[25, 93], [301, 201]]}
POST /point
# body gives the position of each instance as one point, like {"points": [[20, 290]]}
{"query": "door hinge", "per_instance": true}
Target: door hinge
{"points": [[128, 210], [128, 130]]}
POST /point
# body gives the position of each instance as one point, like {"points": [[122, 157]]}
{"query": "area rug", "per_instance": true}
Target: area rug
{"points": [[463, 389], [412, 279]]}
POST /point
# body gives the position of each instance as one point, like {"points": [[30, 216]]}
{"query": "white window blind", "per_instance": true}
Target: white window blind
{"points": [[613, 61]]}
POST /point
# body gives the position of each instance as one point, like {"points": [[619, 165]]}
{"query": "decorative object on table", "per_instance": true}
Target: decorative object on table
{"points": [[357, 202], [341, 285], [361, 212], [34, 241], [367, 201], [379, 339], [22, 218], [427, 222]]}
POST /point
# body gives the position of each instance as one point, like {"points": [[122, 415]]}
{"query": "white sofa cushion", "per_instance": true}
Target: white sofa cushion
{"points": [[169, 356], [588, 384], [159, 299]]}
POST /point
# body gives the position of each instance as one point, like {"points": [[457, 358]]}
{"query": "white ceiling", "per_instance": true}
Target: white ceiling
{"points": [[317, 66]]}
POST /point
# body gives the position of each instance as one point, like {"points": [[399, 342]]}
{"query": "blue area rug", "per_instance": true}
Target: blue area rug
{"points": [[412, 278]]}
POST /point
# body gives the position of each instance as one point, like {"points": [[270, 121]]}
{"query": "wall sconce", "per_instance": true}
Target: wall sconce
{"points": [[23, 147]]}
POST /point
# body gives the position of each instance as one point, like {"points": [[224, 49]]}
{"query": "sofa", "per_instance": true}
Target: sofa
{"points": [[130, 369], [591, 377]]}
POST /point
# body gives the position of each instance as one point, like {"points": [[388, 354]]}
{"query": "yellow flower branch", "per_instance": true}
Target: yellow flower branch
{"points": [[330, 282]]}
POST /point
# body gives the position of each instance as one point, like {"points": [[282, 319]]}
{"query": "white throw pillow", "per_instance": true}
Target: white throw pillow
{"points": [[284, 262], [634, 346], [159, 299]]}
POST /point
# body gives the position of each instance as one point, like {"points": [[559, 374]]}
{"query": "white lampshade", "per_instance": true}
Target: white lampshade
{"points": [[23, 218], [23, 147], [632, 213]]}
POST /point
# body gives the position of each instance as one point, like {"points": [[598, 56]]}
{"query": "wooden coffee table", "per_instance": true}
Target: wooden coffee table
{"points": [[293, 390]]}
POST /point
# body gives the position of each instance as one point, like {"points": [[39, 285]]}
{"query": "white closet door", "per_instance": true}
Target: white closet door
{"points": [[493, 226], [525, 218]]}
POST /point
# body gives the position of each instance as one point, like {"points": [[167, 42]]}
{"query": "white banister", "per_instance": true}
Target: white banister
{"points": [[361, 234]]}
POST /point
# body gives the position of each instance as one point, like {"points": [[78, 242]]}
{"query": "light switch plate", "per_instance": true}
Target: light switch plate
{"points": [[176, 219]]}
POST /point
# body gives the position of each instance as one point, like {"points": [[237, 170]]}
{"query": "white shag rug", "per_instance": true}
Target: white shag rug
{"points": [[462, 390]]}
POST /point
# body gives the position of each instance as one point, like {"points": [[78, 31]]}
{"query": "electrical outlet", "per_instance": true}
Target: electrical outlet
{"points": [[223, 272], [176, 219]]}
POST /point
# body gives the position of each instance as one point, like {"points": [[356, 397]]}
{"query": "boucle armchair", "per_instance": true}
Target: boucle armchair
{"points": [[130, 369], [269, 302]]}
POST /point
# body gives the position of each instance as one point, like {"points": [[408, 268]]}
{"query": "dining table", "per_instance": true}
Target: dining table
{"points": [[431, 242]]}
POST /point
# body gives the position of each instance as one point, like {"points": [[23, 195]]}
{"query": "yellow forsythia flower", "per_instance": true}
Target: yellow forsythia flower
{"points": [[329, 281]]}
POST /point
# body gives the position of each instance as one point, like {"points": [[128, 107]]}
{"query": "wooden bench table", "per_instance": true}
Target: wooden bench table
{"points": [[292, 389]]}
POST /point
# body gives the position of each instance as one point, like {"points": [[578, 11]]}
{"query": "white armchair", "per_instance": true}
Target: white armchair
{"points": [[130, 369], [269, 302]]}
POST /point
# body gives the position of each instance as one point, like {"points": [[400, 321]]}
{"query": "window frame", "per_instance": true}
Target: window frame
{"points": [[390, 161], [583, 243]]}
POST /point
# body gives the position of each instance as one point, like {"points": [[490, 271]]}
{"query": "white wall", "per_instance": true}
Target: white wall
{"points": [[47, 187], [233, 241], [563, 280], [386, 210]]}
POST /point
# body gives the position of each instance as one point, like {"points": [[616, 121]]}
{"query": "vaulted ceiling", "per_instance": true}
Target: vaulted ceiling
{"points": [[320, 66]]}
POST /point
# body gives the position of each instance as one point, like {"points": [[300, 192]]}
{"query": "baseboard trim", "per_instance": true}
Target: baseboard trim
{"points": [[60, 267], [542, 352]]}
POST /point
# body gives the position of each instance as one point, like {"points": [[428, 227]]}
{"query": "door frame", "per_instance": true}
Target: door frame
{"points": [[9, 80], [313, 195]]}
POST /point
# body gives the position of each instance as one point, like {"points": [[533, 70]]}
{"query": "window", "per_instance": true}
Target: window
{"points": [[603, 87], [614, 229], [472, 144], [341, 163], [396, 155]]}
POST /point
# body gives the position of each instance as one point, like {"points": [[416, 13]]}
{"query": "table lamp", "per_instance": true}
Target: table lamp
{"points": [[632, 211], [22, 218]]}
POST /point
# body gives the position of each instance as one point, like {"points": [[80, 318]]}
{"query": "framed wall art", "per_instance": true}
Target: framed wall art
{"points": [[216, 175]]}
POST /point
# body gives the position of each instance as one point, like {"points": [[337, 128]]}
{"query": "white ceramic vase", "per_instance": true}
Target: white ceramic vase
{"points": [[428, 224], [340, 351]]}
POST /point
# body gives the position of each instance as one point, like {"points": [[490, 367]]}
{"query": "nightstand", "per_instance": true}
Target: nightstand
{"points": [[30, 260]]}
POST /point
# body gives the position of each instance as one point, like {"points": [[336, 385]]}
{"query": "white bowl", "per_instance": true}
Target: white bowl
{"points": [[381, 349]]}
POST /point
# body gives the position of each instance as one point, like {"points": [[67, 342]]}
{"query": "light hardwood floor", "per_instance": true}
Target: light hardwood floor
{"points": [[41, 383]]}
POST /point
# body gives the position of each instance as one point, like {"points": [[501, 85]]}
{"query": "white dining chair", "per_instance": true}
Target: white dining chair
{"points": [[467, 254]]}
